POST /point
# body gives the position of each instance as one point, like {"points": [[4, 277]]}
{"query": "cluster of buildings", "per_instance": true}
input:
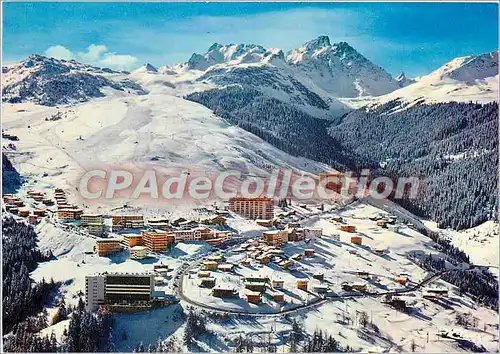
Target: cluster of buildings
{"points": [[256, 287], [16, 206], [158, 241], [124, 292], [66, 211]]}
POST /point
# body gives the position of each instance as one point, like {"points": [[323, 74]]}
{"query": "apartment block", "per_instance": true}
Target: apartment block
{"points": [[107, 246], [119, 291], [275, 238], [87, 219], [157, 241], [69, 213], [127, 221], [252, 208]]}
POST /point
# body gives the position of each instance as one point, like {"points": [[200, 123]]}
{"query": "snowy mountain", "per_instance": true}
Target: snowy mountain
{"points": [[403, 81], [146, 68], [340, 70], [470, 78], [231, 54], [49, 81]]}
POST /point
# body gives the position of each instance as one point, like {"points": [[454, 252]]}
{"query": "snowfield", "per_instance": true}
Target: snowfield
{"points": [[158, 130]]}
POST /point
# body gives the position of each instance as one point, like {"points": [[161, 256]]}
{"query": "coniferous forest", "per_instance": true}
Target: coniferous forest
{"points": [[23, 312]]}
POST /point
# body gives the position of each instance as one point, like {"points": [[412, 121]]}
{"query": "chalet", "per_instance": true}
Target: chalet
{"points": [[207, 282], [204, 274], [245, 262], [32, 219], [254, 297], [255, 286], [363, 275], [296, 257], [295, 234], [18, 203], [278, 297], [227, 267], [337, 218], [319, 276], [257, 278], [264, 222], [277, 284], [336, 237], [47, 201], [380, 250], [286, 264], [313, 232], [177, 221], [216, 258], [223, 213], [210, 265], [320, 289], [401, 280], [292, 224], [263, 259], [39, 212], [302, 284], [357, 240], [381, 223], [347, 228], [225, 292], [361, 287], [275, 238], [214, 220], [24, 212], [309, 252], [393, 228], [434, 292]]}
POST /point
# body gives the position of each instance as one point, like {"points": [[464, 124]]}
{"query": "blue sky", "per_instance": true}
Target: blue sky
{"points": [[411, 37]]}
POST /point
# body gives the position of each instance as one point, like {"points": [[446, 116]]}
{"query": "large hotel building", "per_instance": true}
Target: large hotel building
{"points": [[252, 208], [119, 291]]}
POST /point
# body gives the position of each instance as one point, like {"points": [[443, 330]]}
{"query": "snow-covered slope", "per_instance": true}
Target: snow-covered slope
{"points": [[157, 129], [50, 81], [470, 78]]}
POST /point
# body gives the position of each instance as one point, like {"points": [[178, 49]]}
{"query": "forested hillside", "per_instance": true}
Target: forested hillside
{"points": [[11, 180], [452, 146], [276, 122]]}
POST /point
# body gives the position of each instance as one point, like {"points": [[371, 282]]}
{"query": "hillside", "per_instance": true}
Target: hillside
{"points": [[454, 152]]}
